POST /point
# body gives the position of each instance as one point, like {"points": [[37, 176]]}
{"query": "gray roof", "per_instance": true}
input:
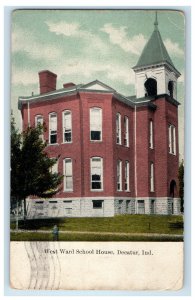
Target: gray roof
{"points": [[154, 51]]}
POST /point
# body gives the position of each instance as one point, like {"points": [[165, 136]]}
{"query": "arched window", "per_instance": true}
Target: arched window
{"points": [[39, 121], [68, 178], [119, 175], [126, 128], [151, 87], [96, 173], [53, 128], [67, 126], [151, 177], [171, 88], [118, 128], [95, 124]]}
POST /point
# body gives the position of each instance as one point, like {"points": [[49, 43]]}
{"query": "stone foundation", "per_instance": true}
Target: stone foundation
{"points": [[101, 207]]}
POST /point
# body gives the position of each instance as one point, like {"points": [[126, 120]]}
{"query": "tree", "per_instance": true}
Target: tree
{"points": [[31, 173], [181, 184]]}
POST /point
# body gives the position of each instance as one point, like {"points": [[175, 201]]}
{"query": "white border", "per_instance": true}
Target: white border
{"points": [[5, 111]]}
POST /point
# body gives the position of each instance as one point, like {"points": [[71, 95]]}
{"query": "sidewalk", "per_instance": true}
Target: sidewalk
{"points": [[104, 233]]}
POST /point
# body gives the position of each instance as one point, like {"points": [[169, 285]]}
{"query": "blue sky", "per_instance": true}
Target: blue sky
{"points": [[83, 45]]}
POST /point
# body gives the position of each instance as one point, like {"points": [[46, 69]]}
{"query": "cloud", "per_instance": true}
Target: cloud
{"points": [[74, 30], [119, 37], [67, 29], [24, 77], [91, 69], [24, 41], [173, 48]]}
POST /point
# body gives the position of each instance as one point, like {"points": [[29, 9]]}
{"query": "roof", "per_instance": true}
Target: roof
{"points": [[154, 51], [94, 86]]}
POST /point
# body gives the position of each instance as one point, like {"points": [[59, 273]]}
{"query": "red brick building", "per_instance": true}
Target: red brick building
{"points": [[119, 155]]}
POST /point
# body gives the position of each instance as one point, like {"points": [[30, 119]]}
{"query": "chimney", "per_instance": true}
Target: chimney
{"points": [[68, 85], [47, 81]]}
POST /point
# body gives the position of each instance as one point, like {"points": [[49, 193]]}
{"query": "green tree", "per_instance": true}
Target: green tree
{"points": [[31, 173], [181, 184]]}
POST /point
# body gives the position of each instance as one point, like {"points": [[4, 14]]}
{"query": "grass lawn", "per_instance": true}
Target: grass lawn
{"points": [[117, 224]]}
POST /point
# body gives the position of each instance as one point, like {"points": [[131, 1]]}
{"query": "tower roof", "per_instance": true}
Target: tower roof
{"points": [[154, 51]]}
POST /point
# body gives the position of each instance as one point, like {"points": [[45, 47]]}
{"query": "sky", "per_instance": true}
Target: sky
{"points": [[81, 46]]}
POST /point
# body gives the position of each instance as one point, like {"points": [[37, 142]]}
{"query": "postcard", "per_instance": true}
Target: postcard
{"points": [[97, 149]]}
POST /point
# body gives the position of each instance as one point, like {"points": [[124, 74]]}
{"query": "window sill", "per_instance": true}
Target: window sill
{"points": [[97, 207], [68, 191], [56, 144], [172, 153], [96, 190], [95, 141], [66, 143]]}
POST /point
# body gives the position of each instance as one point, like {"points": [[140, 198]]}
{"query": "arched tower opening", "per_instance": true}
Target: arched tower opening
{"points": [[171, 88], [150, 87]]}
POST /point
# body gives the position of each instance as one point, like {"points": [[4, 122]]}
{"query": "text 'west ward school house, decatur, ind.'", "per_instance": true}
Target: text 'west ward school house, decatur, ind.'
{"points": [[118, 155]]}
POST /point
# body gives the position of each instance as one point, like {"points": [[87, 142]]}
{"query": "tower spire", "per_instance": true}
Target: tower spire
{"points": [[156, 21]]}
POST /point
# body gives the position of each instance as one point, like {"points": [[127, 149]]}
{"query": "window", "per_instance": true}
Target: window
{"points": [[118, 128], [68, 180], [53, 128], [54, 168], [39, 121], [119, 175], [128, 206], [150, 87], [151, 177], [151, 142], [171, 88], [68, 210], [95, 124], [96, 173], [67, 126], [141, 207], [172, 139], [152, 207], [126, 176], [126, 126], [98, 204]]}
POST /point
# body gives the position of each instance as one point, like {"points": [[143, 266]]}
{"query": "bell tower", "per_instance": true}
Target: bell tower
{"points": [[155, 72]]}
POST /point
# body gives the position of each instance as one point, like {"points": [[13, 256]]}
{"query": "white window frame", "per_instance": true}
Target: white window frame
{"points": [[172, 139], [151, 177], [50, 115], [126, 128], [101, 173], [64, 113], [36, 124], [127, 177], [69, 176], [151, 133], [99, 201], [92, 125], [118, 129], [119, 175]]}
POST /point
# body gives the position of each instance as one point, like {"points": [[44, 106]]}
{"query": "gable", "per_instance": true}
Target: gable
{"points": [[97, 86]]}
